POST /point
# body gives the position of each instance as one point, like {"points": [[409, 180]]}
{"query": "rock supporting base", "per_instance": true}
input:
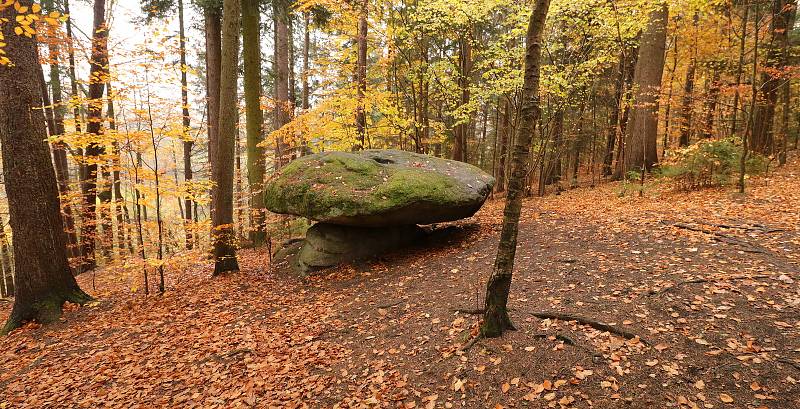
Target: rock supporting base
{"points": [[327, 245]]}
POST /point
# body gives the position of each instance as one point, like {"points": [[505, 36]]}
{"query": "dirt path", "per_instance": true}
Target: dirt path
{"points": [[716, 306]]}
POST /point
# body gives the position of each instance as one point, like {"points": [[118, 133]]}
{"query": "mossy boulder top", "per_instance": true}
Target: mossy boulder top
{"points": [[376, 188]]}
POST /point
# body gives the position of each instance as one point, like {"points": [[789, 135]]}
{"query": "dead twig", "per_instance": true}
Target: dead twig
{"points": [[787, 361], [384, 306], [468, 311], [590, 322]]}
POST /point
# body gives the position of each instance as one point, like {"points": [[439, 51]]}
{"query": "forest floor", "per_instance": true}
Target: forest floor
{"points": [[704, 281]]}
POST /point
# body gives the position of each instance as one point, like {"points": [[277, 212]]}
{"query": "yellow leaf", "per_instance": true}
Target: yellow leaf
{"points": [[505, 387], [725, 398], [36, 8], [18, 30]]}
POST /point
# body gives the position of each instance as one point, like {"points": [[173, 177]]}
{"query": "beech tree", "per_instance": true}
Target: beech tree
{"points": [[251, 54], [640, 143], [222, 198], [495, 318], [43, 277]]}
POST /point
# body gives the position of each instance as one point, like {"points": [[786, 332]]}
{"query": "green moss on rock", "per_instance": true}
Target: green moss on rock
{"points": [[378, 188]]}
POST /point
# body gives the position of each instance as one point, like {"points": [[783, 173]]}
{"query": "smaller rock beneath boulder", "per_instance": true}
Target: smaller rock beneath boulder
{"points": [[329, 244]]}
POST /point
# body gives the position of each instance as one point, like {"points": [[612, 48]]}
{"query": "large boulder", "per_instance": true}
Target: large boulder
{"points": [[327, 245], [378, 188]]}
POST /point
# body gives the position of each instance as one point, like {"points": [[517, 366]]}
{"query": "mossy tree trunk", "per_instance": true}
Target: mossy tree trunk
{"points": [[43, 278], [496, 319], [251, 54], [222, 200]]}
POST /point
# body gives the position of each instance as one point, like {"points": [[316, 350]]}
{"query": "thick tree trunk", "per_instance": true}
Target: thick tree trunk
{"points": [[251, 54], [783, 124], [361, 78], [43, 278], [280, 11], [496, 319], [640, 143], [222, 200], [188, 143]]}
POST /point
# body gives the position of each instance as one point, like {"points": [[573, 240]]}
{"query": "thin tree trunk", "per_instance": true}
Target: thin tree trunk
{"points": [[361, 78], [98, 72], [306, 45], [465, 71], [754, 91], [740, 66], [188, 143], [762, 139], [251, 54], [688, 91], [222, 200], [496, 319], [280, 11], [712, 98], [43, 277]]}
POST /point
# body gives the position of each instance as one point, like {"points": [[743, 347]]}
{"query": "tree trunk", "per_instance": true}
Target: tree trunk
{"points": [[222, 200], [783, 124], [762, 139], [188, 143], [213, 26], [504, 127], [6, 264], [361, 78], [686, 105], [740, 66], [306, 45], [688, 91], [251, 54], [98, 72], [465, 71], [280, 11], [496, 319], [712, 98], [43, 278], [640, 143]]}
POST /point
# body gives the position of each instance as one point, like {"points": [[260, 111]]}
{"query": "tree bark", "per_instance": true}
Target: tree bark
{"points": [[361, 78], [213, 28], [43, 278], [188, 143], [98, 71], [222, 200], [280, 11], [740, 66], [465, 71], [496, 319], [251, 54], [762, 139], [640, 143]]}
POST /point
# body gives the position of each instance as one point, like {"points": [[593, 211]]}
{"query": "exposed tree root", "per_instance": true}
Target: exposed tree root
{"points": [[466, 347], [590, 322], [720, 237]]}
